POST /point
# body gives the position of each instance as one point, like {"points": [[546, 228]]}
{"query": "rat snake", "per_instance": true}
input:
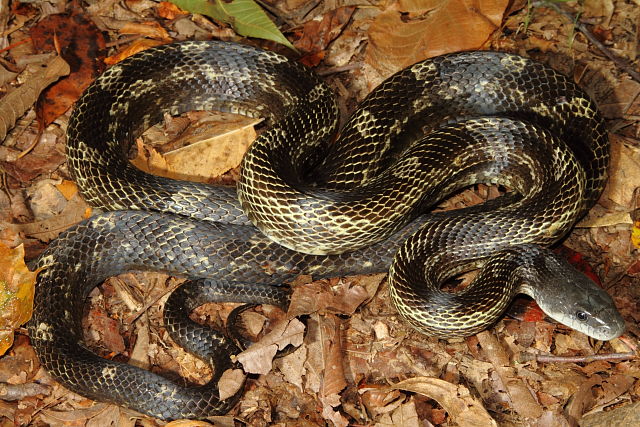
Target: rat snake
{"points": [[333, 208]]}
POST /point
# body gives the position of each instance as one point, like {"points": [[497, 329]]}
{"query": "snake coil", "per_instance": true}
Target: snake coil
{"points": [[333, 209]]}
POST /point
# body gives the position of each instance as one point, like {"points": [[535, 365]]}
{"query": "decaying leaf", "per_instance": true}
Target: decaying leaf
{"points": [[230, 382], [522, 400], [18, 101], [463, 408], [135, 47], [628, 415], [317, 34], [17, 286], [625, 161], [257, 359], [82, 45], [48, 229], [414, 30], [319, 297], [219, 148], [403, 416]]}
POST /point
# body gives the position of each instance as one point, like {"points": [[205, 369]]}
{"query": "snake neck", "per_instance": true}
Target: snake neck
{"points": [[562, 292], [566, 294]]}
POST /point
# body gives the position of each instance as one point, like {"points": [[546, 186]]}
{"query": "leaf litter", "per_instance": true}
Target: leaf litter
{"points": [[358, 363]]}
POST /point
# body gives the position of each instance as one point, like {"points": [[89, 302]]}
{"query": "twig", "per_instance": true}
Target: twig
{"points": [[589, 35], [526, 357], [340, 69]]}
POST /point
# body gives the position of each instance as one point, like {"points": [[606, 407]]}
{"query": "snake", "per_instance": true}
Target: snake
{"points": [[312, 199]]}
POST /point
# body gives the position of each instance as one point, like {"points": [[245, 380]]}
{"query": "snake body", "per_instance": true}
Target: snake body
{"points": [[322, 208]]}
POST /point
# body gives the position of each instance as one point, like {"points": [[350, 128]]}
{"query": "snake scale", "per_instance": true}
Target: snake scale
{"points": [[305, 204]]}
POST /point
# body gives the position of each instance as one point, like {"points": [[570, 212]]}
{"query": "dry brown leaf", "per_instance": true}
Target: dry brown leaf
{"points": [[522, 399], [403, 416], [81, 43], [417, 29], [625, 172], [628, 415], [147, 29], [292, 366], [221, 150], [82, 416], [18, 101], [168, 10], [6, 76], [334, 378], [17, 286], [583, 399], [336, 418], [67, 188], [320, 297], [380, 400], [317, 34], [135, 47], [230, 382], [48, 229], [258, 358], [108, 330], [464, 409]]}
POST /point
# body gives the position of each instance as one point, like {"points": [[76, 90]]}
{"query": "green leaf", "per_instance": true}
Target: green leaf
{"points": [[246, 17]]}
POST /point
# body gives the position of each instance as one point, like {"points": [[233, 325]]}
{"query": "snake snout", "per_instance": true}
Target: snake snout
{"points": [[573, 299]]}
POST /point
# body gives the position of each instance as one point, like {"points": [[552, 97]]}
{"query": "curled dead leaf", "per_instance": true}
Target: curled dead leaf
{"points": [[17, 285], [258, 358], [463, 408]]}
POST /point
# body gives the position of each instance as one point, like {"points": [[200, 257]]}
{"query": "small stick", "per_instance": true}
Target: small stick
{"points": [[589, 35], [526, 357]]}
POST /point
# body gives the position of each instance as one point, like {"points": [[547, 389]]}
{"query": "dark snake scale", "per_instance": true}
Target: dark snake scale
{"points": [[307, 205]]}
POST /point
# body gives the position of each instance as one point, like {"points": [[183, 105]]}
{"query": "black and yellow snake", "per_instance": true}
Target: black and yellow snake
{"points": [[349, 207]]}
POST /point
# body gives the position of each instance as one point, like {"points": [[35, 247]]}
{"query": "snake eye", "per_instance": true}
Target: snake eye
{"points": [[582, 316]]}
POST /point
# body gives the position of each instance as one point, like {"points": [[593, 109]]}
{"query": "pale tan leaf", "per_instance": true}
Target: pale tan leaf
{"points": [[464, 409], [230, 382], [258, 358], [14, 104], [624, 170], [205, 153], [420, 29], [404, 416], [522, 398], [48, 229], [17, 286]]}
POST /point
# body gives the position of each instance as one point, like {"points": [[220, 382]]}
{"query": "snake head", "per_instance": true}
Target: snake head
{"points": [[569, 297]]}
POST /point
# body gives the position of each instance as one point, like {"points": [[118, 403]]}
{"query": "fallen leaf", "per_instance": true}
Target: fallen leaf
{"points": [[522, 400], [48, 229], [17, 286], [625, 168], [258, 358], [148, 29], [230, 382], [14, 104], [135, 47], [334, 380], [82, 45], [318, 33], [204, 154], [168, 10], [404, 416], [464, 409], [628, 415], [320, 297], [413, 30]]}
